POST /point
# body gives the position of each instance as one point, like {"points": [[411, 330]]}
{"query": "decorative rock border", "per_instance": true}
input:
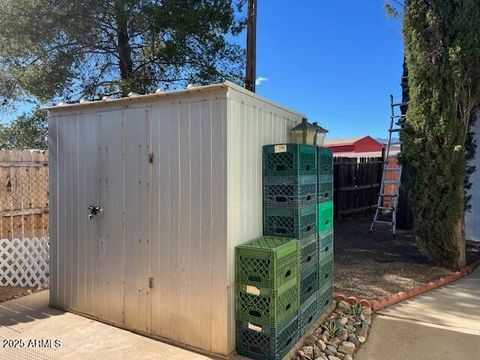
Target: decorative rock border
{"points": [[352, 300], [392, 299], [339, 336], [353, 329]]}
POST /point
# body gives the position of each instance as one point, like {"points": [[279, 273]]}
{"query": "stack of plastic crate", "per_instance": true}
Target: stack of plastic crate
{"points": [[290, 209], [267, 297], [325, 226]]}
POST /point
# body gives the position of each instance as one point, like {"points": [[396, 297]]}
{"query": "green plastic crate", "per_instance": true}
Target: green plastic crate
{"points": [[289, 159], [325, 245], [325, 272], [325, 298], [267, 262], [325, 253], [325, 239], [309, 311], [308, 252], [263, 343], [325, 188], [308, 283], [325, 161], [325, 216], [265, 306], [289, 191], [292, 223]]}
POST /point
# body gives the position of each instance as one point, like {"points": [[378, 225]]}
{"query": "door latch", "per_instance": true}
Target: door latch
{"points": [[93, 211], [150, 283]]}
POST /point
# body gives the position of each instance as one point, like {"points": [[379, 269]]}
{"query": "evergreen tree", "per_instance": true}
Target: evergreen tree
{"points": [[442, 45], [89, 48], [26, 132]]}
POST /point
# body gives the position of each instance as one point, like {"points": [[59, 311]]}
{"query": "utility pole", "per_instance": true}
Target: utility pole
{"points": [[251, 45]]}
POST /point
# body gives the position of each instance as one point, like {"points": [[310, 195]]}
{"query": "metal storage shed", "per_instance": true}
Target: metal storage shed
{"points": [[178, 176]]}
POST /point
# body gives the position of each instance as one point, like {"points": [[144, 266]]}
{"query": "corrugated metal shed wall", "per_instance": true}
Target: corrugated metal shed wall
{"points": [[72, 189], [177, 220], [472, 217], [189, 219], [252, 123]]}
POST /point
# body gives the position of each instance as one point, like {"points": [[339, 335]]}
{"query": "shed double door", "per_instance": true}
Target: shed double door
{"points": [[123, 226]]}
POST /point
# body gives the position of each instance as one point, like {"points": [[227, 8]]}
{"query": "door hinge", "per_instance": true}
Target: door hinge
{"points": [[150, 158], [150, 283]]}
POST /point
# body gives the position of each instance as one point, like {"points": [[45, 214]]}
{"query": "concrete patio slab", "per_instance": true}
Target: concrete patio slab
{"points": [[399, 339], [456, 304], [29, 319], [443, 324]]}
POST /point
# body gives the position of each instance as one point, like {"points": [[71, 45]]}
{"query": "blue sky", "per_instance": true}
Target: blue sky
{"points": [[335, 61]]}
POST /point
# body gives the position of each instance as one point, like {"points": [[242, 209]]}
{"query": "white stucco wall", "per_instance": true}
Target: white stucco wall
{"points": [[472, 217]]}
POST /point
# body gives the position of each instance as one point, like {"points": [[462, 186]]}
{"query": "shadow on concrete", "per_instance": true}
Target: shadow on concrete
{"points": [[26, 309], [400, 339], [454, 305]]}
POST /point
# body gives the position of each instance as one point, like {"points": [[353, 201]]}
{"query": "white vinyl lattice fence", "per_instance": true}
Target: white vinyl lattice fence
{"points": [[24, 262]]}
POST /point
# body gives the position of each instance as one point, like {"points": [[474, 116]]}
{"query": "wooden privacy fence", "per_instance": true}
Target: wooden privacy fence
{"points": [[392, 176], [23, 194], [24, 218], [356, 184]]}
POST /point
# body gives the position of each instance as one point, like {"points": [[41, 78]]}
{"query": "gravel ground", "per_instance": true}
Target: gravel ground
{"points": [[374, 265], [13, 292]]}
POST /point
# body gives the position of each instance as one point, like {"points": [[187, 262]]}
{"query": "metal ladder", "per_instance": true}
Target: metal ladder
{"points": [[395, 127]]}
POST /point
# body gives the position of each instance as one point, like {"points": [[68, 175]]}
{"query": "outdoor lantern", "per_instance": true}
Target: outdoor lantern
{"points": [[321, 133], [306, 133]]}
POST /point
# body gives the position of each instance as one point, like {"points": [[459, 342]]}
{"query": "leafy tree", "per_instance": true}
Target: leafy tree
{"points": [[26, 132], [89, 48], [442, 45], [394, 8]]}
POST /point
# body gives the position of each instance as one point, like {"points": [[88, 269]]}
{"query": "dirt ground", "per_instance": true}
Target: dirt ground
{"points": [[373, 265], [13, 292]]}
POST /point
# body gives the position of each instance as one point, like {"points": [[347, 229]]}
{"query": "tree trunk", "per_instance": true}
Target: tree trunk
{"points": [[123, 48], [458, 235]]}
